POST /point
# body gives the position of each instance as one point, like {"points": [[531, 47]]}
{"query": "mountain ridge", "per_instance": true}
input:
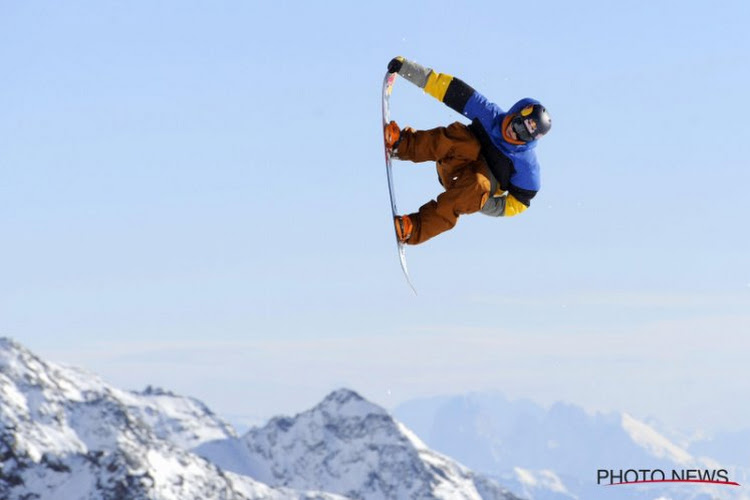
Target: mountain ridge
{"points": [[68, 434], [359, 450]]}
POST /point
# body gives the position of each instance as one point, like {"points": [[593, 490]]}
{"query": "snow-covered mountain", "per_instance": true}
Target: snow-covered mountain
{"points": [[553, 453], [65, 434], [181, 420], [349, 446]]}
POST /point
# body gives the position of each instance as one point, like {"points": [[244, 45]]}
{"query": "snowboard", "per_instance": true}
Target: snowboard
{"points": [[388, 81]]}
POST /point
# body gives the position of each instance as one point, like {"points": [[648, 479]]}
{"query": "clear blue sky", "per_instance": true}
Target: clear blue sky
{"points": [[192, 195]]}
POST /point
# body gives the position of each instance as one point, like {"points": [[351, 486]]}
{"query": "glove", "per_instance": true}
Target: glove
{"points": [[395, 65]]}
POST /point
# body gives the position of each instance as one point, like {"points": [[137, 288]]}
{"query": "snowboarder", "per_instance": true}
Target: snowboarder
{"points": [[488, 166]]}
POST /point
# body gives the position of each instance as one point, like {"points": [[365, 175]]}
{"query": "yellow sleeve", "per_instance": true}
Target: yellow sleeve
{"points": [[437, 85], [513, 206]]}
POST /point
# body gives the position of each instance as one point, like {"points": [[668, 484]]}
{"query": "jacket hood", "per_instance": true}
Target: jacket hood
{"points": [[526, 101]]}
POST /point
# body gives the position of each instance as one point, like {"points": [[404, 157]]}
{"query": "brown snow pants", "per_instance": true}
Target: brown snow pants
{"points": [[462, 170]]}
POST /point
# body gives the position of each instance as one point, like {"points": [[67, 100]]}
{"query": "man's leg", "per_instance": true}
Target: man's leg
{"points": [[465, 196], [455, 142]]}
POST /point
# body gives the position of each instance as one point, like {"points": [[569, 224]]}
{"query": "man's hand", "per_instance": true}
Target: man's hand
{"points": [[395, 65]]}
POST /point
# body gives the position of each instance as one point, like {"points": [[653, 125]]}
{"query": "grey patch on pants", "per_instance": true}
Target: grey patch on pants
{"points": [[495, 205]]}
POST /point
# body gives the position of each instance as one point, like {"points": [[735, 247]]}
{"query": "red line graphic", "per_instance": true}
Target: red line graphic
{"points": [[705, 481]]}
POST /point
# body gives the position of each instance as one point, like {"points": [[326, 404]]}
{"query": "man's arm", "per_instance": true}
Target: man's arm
{"points": [[447, 89]]}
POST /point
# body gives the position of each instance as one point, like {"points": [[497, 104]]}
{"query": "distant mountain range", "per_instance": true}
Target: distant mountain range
{"points": [[555, 453], [66, 434]]}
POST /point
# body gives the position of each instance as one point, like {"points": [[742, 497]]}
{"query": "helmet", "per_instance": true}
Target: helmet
{"points": [[531, 123]]}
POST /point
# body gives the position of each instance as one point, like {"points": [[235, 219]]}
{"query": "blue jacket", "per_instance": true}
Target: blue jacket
{"points": [[490, 117], [515, 166]]}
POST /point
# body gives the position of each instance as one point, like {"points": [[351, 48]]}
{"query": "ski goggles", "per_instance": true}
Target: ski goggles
{"points": [[526, 123], [524, 128]]}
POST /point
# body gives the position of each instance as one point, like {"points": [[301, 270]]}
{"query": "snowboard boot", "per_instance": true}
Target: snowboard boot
{"points": [[392, 137], [404, 227]]}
